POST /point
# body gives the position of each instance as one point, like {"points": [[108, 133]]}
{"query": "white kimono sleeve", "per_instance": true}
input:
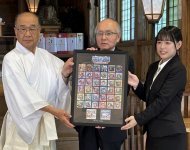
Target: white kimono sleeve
{"points": [[63, 92]]}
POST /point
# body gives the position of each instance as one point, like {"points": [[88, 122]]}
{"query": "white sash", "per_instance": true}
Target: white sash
{"points": [[47, 129]]}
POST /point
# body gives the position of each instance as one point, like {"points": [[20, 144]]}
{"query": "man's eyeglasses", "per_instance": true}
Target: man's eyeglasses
{"points": [[24, 29], [107, 34]]}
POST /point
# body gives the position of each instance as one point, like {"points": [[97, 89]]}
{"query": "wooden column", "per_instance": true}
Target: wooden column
{"points": [[187, 125], [1, 26], [185, 50], [112, 9], [92, 23], [22, 6]]}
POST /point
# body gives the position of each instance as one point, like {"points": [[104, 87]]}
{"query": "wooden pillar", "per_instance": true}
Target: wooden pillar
{"points": [[1, 26], [22, 6], [92, 23], [187, 125], [185, 50], [112, 9]]}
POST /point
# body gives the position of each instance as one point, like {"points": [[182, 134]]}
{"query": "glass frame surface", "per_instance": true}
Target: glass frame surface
{"points": [[99, 88]]}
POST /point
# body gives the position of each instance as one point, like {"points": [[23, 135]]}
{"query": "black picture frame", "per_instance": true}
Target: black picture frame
{"points": [[99, 88]]}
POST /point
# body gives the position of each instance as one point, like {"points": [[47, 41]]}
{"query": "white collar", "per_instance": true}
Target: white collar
{"points": [[21, 48], [113, 49], [161, 65]]}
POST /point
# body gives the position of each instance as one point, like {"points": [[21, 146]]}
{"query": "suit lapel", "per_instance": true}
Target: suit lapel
{"points": [[160, 79], [149, 79]]}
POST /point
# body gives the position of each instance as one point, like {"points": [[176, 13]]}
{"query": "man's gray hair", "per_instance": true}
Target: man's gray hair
{"points": [[118, 29]]}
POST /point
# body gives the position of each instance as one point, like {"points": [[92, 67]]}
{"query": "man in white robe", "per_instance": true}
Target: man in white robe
{"points": [[36, 90]]}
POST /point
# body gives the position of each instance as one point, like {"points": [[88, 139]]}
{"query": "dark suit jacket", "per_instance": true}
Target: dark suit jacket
{"points": [[162, 115], [110, 133]]}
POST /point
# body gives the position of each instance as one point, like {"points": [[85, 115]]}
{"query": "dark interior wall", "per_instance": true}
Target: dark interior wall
{"points": [[69, 13], [8, 11], [73, 14]]}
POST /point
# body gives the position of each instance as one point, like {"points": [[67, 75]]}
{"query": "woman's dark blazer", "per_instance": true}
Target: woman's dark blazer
{"points": [[162, 115]]}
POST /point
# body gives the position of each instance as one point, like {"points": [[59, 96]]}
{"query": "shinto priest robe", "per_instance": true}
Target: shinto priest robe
{"points": [[31, 82]]}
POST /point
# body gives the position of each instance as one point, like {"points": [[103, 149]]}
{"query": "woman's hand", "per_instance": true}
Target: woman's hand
{"points": [[133, 80], [130, 122], [92, 49]]}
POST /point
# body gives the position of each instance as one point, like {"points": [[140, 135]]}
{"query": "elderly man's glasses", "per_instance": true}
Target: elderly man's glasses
{"points": [[24, 29], [107, 34]]}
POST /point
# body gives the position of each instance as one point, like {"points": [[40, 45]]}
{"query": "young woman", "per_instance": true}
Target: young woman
{"points": [[162, 92]]}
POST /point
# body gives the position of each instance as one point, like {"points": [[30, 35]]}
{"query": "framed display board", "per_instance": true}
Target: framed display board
{"points": [[99, 88]]}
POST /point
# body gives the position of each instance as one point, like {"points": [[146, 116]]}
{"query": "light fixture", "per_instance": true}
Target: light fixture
{"points": [[32, 5], [153, 9]]}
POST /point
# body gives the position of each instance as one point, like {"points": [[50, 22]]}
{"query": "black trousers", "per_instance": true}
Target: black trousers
{"points": [[91, 138], [172, 142]]}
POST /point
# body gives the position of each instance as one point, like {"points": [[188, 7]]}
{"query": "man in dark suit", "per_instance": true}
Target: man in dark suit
{"points": [[108, 34]]}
